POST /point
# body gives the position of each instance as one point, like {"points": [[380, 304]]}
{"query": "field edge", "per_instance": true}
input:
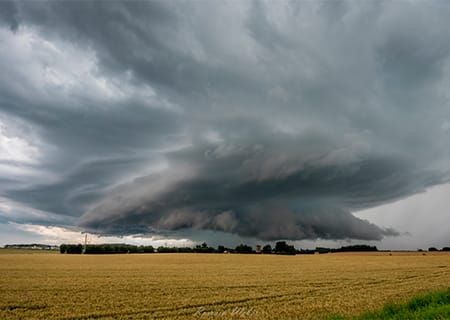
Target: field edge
{"points": [[433, 305]]}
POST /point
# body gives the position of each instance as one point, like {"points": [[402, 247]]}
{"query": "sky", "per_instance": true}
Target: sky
{"points": [[178, 122]]}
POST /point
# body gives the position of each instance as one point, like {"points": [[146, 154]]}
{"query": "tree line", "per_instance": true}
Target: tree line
{"points": [[281, 247], [436, 249], [104, 248]]}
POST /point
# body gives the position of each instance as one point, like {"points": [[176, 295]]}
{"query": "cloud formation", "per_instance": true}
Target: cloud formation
{"points": [[272, 121]]}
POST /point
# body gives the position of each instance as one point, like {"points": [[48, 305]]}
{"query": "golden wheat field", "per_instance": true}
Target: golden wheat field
{"points": [[211, 286]]}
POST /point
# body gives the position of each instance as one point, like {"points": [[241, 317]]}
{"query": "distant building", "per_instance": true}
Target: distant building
{"points": [[258, 248], [33, 246]]}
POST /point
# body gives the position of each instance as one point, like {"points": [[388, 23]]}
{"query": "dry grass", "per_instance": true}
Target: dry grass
{"points": [[212, 286]]}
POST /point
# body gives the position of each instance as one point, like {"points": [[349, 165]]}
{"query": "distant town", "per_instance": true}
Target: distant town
{"points": [[32, 246]]}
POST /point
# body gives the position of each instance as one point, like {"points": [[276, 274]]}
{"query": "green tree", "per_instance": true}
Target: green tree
{"points": [[243, 248], [281, 247], [267, 249], [74, 248]]}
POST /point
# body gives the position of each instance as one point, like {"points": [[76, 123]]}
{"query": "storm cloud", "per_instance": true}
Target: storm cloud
{"points": [[260, 119]]}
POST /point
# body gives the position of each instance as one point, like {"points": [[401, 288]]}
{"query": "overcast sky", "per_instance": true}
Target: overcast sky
{"points": [[317, 122]]}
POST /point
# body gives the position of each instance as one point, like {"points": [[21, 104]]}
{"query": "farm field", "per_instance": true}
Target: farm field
{"points": [[212, 286]]}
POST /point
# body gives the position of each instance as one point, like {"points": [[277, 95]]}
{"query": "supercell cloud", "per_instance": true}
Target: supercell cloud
{"points": [[259, 119]]}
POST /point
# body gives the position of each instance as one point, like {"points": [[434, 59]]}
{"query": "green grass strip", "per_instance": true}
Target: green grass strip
{"points": [[432, 306]]}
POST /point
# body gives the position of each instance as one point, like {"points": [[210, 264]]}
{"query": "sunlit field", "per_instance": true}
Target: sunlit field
{"points": [[212, 286]]}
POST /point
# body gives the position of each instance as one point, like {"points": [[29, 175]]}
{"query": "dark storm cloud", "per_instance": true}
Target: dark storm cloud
{"points": [[8, 12], [80, 187], [255, 193], [135, 36], [263, 120]]}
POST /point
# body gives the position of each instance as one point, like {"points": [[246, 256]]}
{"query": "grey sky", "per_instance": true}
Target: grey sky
{"points": [[225, 120]]}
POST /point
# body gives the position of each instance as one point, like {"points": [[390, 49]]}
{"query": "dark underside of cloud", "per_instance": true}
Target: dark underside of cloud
{"points": [[264, 120], [253, 194]]}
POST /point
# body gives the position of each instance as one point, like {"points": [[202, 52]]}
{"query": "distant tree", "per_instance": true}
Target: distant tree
{"points": [[323, 250], [149, 249], [74, 248], [432, 249], [281, 247], [446, 249], [63, 248], [355, 248], [243, 248], [167, 249], [220, 249], [203, 248], [113, 248], [306, 251], [146, 249], [267, 249]]}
